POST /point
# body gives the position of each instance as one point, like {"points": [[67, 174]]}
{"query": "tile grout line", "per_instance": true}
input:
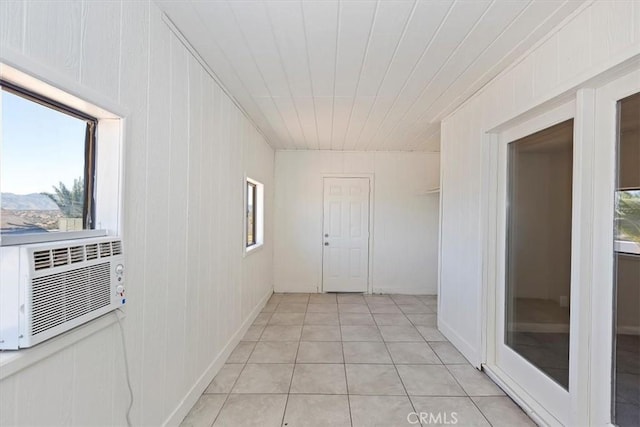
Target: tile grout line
{"points": [[295, 359], [344, 365], [396, 367], [244, 364]]}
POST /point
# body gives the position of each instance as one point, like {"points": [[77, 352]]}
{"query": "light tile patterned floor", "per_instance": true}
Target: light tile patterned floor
{"points": [[350, 360]]}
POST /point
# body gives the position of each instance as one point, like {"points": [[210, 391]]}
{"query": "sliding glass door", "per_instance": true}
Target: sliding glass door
{"points": [[534, 289], [538, 280], [626, 371]]}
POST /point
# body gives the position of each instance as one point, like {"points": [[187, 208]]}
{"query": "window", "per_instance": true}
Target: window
{"points": [[48, 160], [61, 162], [627, 210], [254, 214], [251, 213]]}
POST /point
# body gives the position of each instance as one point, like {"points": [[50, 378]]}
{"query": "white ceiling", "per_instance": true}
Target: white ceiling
{"points": [[359, 75]]}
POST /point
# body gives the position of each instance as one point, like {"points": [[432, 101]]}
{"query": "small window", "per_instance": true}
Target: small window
{"points": [[254, 214], [251, 213], [47, 165]]}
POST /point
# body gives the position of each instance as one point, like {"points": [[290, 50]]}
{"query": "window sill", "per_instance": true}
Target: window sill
{"points": [[13, 361], [58, 236], [626, 247], [252, 249]]}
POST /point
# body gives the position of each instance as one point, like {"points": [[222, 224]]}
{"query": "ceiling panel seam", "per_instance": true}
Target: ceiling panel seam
{"points": [[386, 72], [193, 52], [335, 70], [511, 23], [413, 69], [286, 75], [255, 62], [364, 59], [526, 53], [424, 90], [306, 46]]}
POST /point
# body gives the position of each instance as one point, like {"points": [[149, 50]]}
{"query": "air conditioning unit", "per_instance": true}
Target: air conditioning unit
{"points": [[49, 288]]}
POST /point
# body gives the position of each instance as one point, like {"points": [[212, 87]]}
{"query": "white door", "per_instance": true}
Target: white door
{"points": [[345, 256]]}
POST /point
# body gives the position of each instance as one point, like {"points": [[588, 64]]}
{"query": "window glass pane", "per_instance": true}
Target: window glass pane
{"points": [[538, 288], [627, 267], [251, 197], [42, 168]]}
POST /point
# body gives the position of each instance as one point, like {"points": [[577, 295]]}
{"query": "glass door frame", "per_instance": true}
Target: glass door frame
{"points": [[592, 312], [551, 397], [603, 271]]}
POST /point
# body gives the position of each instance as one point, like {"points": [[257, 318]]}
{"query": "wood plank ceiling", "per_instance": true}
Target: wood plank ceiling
{"points": [[359, 75]]}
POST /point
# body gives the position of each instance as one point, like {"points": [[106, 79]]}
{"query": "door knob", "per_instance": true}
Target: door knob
{"points": [[326, 243], [326, 235]]}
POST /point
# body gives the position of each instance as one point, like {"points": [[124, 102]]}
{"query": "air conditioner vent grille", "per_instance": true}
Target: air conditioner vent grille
{"points": [[105, 249], [77, 254], [92, 251], [60, 256], [116, 247], [41, 260], [57, 257], [64, 296]]}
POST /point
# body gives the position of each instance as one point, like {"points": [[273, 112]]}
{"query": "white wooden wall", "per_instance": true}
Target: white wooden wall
{"points": [[405, 219], [187, 150], [598, 37]]}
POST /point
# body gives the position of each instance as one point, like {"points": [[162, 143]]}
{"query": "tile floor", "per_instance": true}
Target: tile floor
{"points": [[350, 360]]}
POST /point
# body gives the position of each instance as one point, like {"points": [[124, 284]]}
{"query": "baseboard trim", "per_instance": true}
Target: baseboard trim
{"points": [[404, 291], [467, 350], [527, 403], [192, 396]]}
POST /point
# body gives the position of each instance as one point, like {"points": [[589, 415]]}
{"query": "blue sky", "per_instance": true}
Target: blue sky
{"points": [[40, 147]]}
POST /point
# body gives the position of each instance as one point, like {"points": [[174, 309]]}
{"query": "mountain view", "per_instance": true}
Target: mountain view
{"points": [[27, 202], [21, 213]]}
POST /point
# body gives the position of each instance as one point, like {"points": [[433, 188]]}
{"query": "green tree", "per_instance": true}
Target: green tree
{"points": [[70, 201], [628, 215]]}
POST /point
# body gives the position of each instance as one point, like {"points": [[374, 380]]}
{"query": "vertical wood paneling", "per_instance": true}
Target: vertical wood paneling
{"points": [[545, 67], [94, 370], [523, 81], [8, 404], [187, 148], [203, 162], [178, 218], [574, 55], [157, 195], [46, 386], [52, 34], [11, 20], [100, 49], [134, 92], [195, 256], [612, 28]]}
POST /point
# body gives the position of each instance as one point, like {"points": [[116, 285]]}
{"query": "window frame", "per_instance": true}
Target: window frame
{"points": [[108, 163], [258, 215], [89, 175], [253, 216]]}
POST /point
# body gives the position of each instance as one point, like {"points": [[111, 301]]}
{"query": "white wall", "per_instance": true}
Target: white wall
{"points": [[405, 218], [601, 35], [187, 149]]}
